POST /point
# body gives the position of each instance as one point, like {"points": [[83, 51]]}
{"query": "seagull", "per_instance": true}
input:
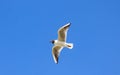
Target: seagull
{"points": [[60, 43]]}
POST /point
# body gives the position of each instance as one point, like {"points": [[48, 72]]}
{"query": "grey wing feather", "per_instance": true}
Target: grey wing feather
{"points": [[62, 32], [56, 52]]}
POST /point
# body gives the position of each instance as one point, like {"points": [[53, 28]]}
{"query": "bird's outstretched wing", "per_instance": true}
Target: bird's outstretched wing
{"points": [[62, 32], [56, 52]]}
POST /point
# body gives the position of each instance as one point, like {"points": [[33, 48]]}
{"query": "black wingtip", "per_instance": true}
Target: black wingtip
{"points": [[69, 24]]}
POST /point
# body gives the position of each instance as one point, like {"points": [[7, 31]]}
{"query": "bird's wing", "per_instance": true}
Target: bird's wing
{"points": [[56, 52], [62, 32]]}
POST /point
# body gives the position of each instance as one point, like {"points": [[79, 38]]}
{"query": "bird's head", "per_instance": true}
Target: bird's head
{"points": [[52, 41]]}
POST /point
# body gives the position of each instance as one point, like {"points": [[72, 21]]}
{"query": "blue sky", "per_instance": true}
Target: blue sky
{"points": [[27, 26]]}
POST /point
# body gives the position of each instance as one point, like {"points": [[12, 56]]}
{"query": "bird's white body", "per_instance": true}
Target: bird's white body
{"points": [[63, 44]]}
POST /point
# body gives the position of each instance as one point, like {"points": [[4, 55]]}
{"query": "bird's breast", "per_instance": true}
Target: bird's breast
{"points": [[60, 43]]}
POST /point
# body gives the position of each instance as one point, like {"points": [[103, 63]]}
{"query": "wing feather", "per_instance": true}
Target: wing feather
{"points": [[56, 52], [62, 32]]}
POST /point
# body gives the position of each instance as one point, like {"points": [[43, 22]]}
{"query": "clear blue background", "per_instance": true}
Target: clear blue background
{"points": [[27, 26]]}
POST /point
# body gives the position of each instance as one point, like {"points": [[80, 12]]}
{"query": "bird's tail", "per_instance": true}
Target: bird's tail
{"points": [[70, 45]]}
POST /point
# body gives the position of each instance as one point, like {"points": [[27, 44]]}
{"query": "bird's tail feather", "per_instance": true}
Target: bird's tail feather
{"points": [[70, 45]]}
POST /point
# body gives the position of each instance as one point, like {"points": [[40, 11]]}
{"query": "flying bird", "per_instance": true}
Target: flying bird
{"points": [[60, 43]]}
